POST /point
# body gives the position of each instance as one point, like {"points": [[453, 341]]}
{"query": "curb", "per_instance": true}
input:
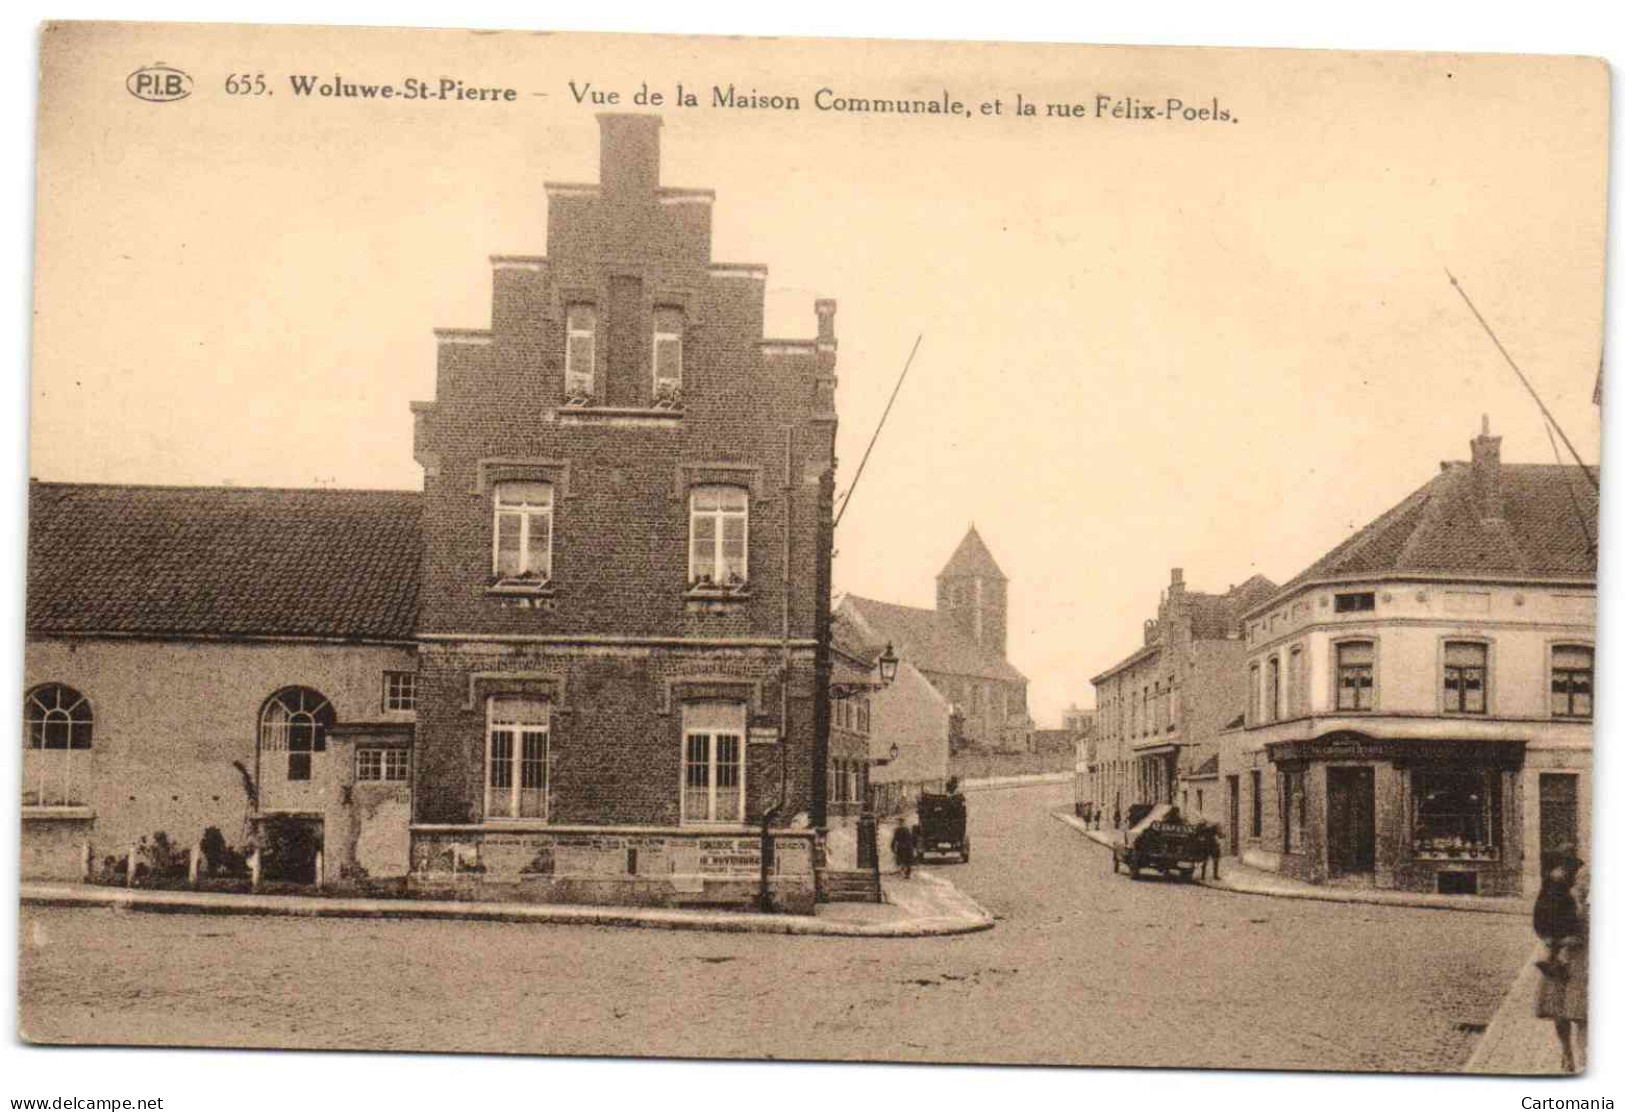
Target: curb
{"points": [[1501, 1037], [1379, 899], [972, 918]]}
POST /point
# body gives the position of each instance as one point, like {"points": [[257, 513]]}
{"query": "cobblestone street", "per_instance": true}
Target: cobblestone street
{"points": [[1084, 967]]}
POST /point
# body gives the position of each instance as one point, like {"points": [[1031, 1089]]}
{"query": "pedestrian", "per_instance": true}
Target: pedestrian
{"points": [[1560, 923], [902, 847], [1211, 849]]}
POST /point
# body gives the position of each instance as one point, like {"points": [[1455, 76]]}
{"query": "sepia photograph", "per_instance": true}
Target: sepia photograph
{"points": [[542, 545]]}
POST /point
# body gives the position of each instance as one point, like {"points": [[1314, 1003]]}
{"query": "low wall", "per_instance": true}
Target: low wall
{"points": [[628, 866], [973, 765]]}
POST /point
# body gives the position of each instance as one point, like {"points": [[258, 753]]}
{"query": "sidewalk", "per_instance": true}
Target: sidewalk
{"points": [[921, 907], [1516, 1043], [1247, 880]]}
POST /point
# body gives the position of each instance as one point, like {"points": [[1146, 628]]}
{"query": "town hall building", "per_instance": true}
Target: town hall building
{"points": [[583, 663]]}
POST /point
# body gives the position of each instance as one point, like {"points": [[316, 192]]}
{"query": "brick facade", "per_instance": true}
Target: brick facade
{"points": [[617, 639]]}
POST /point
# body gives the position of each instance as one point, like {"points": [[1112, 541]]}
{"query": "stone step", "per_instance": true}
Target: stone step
{"points": [[848, 886]]}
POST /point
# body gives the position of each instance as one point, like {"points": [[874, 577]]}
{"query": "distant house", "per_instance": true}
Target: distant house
{"points": [[1160, 709], [1419, 700], [960, 646]]}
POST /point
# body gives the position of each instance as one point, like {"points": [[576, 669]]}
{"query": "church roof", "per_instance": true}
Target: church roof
{"points": [[926, 638], [971, 558], [232, 561]]}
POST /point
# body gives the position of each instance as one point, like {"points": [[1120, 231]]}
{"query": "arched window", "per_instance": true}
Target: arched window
{"points": [[56, 741], [295, 721]]}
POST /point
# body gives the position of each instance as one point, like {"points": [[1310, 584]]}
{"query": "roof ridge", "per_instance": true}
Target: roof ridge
{"points": [[64, 484]]}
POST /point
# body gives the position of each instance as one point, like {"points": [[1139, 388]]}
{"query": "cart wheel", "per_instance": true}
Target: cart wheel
{"points": [[1134, 872], [964, 853], [1187, 875]]}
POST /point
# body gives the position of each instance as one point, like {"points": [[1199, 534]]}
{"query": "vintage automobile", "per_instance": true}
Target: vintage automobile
{"points": [[1161, 840], [942, 826]]}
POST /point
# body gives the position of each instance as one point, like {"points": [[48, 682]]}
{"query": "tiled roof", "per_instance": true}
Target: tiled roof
{"points": [[925, 638], [177, 561], [971, 558], [1215, 617], [1545, 528]]}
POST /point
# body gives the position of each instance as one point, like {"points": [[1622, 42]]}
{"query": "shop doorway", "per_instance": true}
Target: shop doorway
{"points": [[1351, 820], [1559, 816]]}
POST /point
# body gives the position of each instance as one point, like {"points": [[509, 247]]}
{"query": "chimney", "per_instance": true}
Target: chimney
{"points": [[1176, 582], [825, 308], [1487, 473], [628, 155]]}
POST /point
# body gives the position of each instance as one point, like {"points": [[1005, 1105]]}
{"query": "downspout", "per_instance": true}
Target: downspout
{"points": [[764, 898]]}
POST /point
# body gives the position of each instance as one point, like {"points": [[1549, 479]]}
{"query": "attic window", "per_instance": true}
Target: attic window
{"points": [[1355, 601]]}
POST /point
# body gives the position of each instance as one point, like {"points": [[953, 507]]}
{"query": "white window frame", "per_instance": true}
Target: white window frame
{"points": [[500, 719], [526, 512], [719, 518], [663, 314], [710, 723], [400, 691], [382, 764], [276, 734], [1552, 650], [58, 778], [575, 376]]}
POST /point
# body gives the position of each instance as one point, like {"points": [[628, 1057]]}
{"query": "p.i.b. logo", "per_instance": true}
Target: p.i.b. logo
{"points": [[159, 83]]}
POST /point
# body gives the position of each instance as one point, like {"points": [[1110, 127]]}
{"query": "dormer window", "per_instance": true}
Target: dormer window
{"points": [[719, 528], [522, 537], [580, 351], [668, 355]]}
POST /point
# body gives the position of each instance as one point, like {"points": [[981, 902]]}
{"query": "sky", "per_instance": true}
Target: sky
{"points": [[1220, 345]]}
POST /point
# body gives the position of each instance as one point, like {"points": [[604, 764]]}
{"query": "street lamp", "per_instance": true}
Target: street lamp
{"points": [[888, 673]]}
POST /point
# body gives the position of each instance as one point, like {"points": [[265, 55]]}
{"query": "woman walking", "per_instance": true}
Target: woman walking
{"points": [[1561, 911], [902, 847]]}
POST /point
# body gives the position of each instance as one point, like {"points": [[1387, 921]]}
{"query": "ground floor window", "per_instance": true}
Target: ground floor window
{"points": [[1456, 813], [713, 762], [516, 758], [1258, 804], [376, 764], [56, 747]]}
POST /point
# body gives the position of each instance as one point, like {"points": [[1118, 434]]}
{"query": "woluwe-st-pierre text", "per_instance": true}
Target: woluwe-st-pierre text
{"points": [[413, 88]]}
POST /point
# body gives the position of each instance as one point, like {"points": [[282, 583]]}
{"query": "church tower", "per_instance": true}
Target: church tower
{"points": [[971, 591]]}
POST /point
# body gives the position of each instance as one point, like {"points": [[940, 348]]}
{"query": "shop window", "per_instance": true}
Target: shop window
{"points": [[1258, 803], [1466, 677], [516, 757], [295, 722], [1356, 675], [1456, 814], [57, 726], [401, 691], [580, 351], [1571, 681], [719, 528], [1293, 810], [522, 540], [713, 762]]}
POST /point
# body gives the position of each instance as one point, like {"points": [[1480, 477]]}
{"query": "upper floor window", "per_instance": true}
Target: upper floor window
{"points": [[522, 540], [1356, 674], [1571, 681], [1297, 688], [863, 715], [1272, 688], [295, 721], [580, 350], [668, 353], [1252, 694], [56, 747], [401, 691], [719, 519], [713, 762], [1466, 666], [1358, 600]]}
